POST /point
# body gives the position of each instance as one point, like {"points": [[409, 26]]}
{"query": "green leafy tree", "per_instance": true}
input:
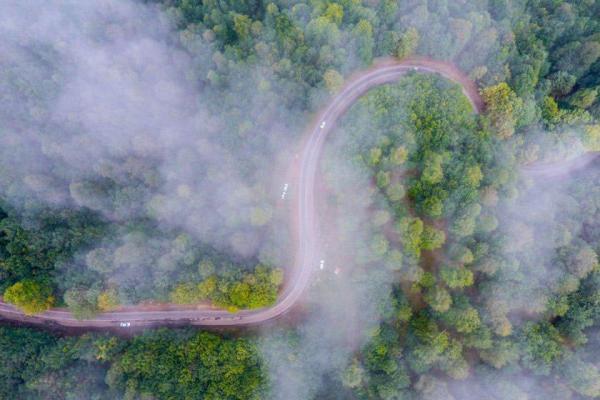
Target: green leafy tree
{"points": [[363, 32], [456, 277], [82, 302], [408, 43], [333, 80], [464, 318], [584, 98], [379, 245], [438, 299], [433, 207], [353, 375], [502, 353], [108, 300], [202, 364], [185, 293], [335, 13], [411, 231], [395, 192], [30, 296], [432, 171], [503, 107], [383, 179], [591, 137], [580, 260], [542, 345], [399, 155], [432, 238]]}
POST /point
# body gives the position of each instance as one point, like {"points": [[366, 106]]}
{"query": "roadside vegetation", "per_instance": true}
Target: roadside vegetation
{"points": [[180, 364]]}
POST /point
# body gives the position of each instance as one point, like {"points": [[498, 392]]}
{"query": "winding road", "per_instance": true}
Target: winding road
{"points": [[304, 223]]}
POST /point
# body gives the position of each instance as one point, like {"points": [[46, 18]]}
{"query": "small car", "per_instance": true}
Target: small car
{"points": [[285, 188], [322, 125], [124, 324], [322, 264]]}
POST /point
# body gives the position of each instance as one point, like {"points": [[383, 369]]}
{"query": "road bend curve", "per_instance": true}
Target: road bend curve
{"points": [[304, 223]]}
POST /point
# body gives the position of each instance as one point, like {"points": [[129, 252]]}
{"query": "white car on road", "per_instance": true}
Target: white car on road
{"points": [[285, 189], [124, 324], [322, 125]]}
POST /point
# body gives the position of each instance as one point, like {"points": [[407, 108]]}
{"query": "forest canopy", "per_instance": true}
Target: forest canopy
{"points": [[142, 152]]}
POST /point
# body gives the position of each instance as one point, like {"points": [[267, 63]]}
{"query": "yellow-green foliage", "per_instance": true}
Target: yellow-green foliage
{"points": [[108, 300], [591, 137], [250, 290], [30, 296], [503, 106]]}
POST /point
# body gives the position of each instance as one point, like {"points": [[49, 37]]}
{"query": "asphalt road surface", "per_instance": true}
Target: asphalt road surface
{"points": [[304, 223]]}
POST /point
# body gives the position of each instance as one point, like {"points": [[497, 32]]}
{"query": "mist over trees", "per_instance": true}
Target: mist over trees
{"points": [[143, 146]]}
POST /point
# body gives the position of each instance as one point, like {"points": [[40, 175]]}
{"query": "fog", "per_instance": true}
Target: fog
{"points": [[541, 228], [540, 221], [131, 127], [126, 126], [127, 108], [342, 307]]}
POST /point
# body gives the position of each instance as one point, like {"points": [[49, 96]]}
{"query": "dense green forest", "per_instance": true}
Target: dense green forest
{"points": [[480, 281], [167, 364], [486, 264]]}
